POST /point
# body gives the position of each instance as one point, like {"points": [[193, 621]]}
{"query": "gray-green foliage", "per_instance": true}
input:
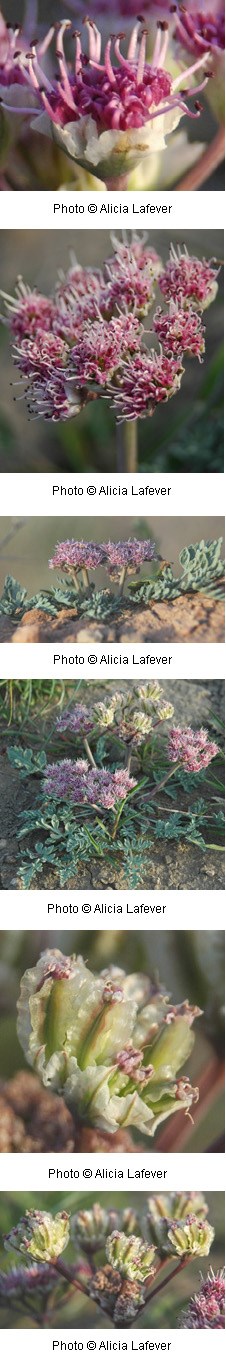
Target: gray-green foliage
{"points": [[202, 571]]}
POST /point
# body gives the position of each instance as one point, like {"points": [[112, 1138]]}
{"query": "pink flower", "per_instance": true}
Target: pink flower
{"points": [[14, 43], [206, 1309], [78, 719], [131, 276], [78, 297], [181, 330], [77, 554], [73, 780], [100, 347], [200, 25], [188, 280], [193, 750], [128, 555], [144, 382], [29, 313], [92, 104]]}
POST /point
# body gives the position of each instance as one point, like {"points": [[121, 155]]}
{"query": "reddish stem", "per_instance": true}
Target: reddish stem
{"points": [[208, 162]]}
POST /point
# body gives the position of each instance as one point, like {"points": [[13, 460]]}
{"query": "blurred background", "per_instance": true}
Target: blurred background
{"points": [[189, 965], [26, 545], [184, 435], [165, 1311]]}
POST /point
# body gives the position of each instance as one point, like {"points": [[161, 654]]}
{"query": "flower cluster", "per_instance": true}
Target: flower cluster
{"points": [[206, 1309], [40, 1236], [189, 281], [193, 750], [117, 1261], [150, 378], [190, 1236], [119, 558], [132, 714], [132, 1257], [95, 358], [110, 111], [89, 339], [111, 1044], [75, 781], [71, 555], [181, 330]]}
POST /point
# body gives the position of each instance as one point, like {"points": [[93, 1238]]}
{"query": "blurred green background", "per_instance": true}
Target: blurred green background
{"points": [[165, 1310], [189, 964], [186, 435]]}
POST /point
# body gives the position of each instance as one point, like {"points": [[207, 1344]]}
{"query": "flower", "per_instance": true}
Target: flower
{"points": [[30, 313], [78, 719], [72, 554], [78, 1030], [131, 275], [206, 1309], [88, 338], [108, 114], [165, 1208], [40, 1235], [90, 1228], [191, 1237], [193, 750], [27, 1279], [131, 714], [128, 555], [73, 780], [146, 380], [181, 330], [188, 280], [201, 26], [13, 44], [100, 347], [129, 1255]]}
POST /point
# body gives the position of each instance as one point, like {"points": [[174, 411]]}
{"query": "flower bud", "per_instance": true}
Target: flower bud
{"points": [[40, 1236]]}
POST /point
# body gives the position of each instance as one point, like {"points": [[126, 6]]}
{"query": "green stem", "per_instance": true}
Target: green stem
{"points": [[85, 575], [89, 754], [167, 777], [122, 581], [126, 441], [73, 573]]}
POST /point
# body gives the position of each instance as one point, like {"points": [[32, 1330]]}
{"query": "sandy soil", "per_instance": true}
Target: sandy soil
{"points": [[190, 618]]}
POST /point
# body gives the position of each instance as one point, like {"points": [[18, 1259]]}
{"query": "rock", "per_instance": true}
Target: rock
{"points": [[190, 618]]}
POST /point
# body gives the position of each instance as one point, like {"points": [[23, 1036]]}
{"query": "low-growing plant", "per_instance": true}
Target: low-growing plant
{"points": [[118, 1259], [122, 783], [202, 571]]}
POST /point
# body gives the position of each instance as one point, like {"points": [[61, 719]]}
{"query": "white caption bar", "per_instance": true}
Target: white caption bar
{"points": [[106, 495], [125, 910], [181, 661], [141, 1172], [93, 209], [90, 1345]]}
